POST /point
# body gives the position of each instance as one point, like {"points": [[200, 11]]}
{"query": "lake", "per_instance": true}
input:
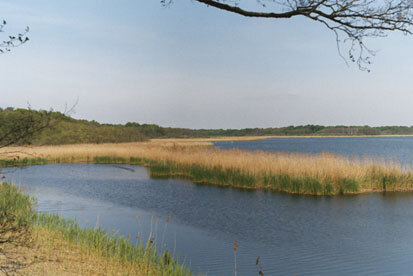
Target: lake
{"points": [[389, 148], [365, 234]]}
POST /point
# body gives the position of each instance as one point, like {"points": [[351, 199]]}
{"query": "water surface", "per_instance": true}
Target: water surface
{"points": [[389, 148], [366, 234]]}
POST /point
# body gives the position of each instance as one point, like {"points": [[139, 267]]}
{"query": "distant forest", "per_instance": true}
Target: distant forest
{"points": [[63, 129]]}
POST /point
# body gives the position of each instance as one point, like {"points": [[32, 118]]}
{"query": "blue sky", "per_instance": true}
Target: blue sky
{"points": [[189, 65]]}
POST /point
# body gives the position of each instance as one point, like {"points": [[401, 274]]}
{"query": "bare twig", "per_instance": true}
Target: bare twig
{"points": [[12, 41], [351, 20]]}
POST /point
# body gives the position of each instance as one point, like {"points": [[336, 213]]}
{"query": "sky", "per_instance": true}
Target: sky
{"points": [[189, 65]]}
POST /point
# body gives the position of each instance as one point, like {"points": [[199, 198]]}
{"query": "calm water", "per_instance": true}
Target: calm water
{"points": [[293, 235], [390, 148]]}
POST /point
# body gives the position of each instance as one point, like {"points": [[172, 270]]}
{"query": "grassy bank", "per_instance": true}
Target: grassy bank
{"points": [[317, 174], [33, 244]]}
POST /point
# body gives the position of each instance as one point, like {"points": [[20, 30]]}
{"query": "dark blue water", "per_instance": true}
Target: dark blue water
{"points": [[366, 234], [391, 148]]}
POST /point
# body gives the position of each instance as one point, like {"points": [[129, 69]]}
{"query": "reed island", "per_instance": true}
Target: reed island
{"points": [[199, 161]]}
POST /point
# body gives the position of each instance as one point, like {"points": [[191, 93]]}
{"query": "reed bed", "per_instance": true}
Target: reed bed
{"points": [[18, 220], [142, 257], [317, 174]]}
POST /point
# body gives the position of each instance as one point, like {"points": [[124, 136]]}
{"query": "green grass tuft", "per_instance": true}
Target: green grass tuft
{"points": [[18, 216]]}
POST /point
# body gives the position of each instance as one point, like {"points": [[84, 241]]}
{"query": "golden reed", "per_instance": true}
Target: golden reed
{"points": [[370, 174]]}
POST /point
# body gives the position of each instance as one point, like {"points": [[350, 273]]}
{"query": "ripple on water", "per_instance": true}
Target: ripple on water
{"points": [[363, 234]]}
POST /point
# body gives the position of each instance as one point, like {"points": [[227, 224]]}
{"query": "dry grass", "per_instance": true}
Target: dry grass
{"points": [[368, 173], [211, 139], [49, 253], [45, 244]]}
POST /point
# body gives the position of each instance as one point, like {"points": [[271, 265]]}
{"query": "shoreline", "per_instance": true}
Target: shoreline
{"points": [[257, 138], [245, 182], [105, 160], [209, 141], [33, 243], [313, 174]]}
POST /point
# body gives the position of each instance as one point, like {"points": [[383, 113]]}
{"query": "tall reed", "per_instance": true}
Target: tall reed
{"points": [[318, 174], [114, 247], [17, 218], [15, 213]]}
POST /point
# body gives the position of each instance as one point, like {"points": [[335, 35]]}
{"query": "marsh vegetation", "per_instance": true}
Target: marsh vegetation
{"points": [[33, 243], [316, 174]]}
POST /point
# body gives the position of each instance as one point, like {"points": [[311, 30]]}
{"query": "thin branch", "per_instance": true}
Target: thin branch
{"points": [[351, 20], [243, 12], [12, 41]]}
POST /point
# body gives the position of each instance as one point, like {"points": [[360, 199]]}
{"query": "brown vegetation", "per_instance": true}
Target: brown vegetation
{"points": [[326, 169], [44, 244], [49, 253]]}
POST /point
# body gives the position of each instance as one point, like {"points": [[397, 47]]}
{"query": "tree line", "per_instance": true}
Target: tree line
{"points": [[25, 126]]}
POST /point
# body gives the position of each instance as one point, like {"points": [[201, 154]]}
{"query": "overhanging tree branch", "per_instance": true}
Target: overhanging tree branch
{"points": [[19, 126], [12, 41], [351, 20], [240, 11]]}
